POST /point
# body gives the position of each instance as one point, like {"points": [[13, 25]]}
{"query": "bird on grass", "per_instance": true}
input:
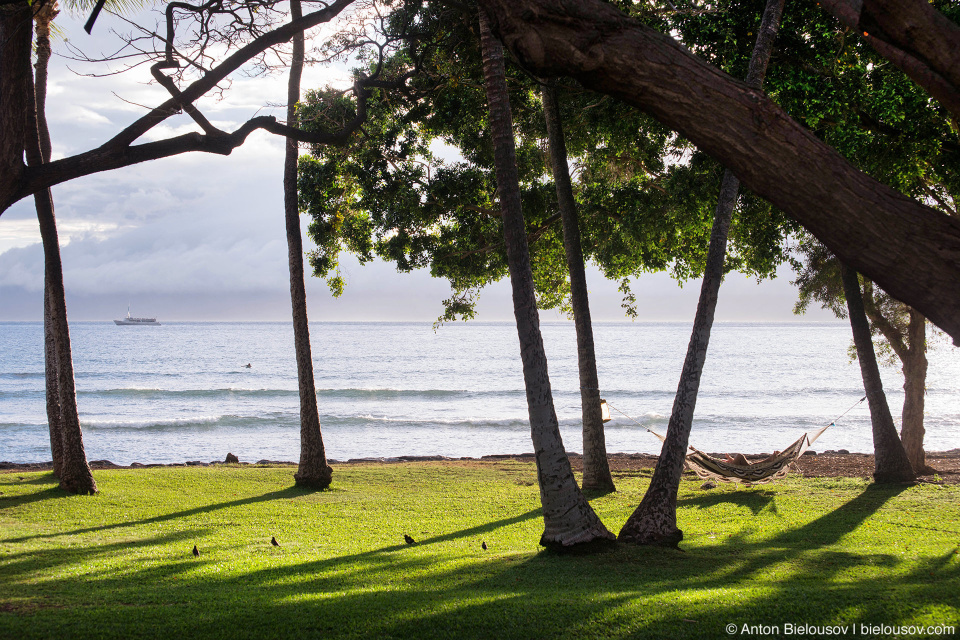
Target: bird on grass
{"points": [[273, 541], [483, 545], [408, 539], [196, 552]]}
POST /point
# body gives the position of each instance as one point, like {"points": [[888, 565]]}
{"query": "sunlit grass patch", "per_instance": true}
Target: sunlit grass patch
{"points": [[120, 564]]}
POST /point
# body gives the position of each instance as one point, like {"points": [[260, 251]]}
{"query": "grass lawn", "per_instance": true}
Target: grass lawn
{"points": [[801, 552]]}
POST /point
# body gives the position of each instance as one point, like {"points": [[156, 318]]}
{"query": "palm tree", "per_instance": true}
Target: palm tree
{"points": [[891, 463], [66, 437], [43, 17], [596, 469], [655, 520], [314, 470], [568, 517]]}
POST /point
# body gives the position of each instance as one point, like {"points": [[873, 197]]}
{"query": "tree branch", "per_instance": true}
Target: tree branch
{"points": [[914, 36], [912, 251]]}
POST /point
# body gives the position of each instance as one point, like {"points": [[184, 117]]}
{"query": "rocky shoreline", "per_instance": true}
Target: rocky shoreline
{"points": [[826, 464]]}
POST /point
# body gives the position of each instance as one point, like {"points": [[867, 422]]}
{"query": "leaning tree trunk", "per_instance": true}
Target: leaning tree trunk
{"points": [[43, 17], [655, 520], [596, 469], [75, 475], [914, 389], [313, 470], [890, 460], [74, 472], [568, 517]]}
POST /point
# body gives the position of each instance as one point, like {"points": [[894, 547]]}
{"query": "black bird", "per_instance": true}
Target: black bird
{"points": [[483, 545], [196, 552], [274, 542], [408, 539]]}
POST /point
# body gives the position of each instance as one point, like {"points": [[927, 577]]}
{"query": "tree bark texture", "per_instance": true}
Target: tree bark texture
{"points": [[313, 470], [43, 17], [16, 29], [868, 225], [596, 469], [890, 460], [568, 517], [910, 346], [914, 390], [655, 520], [52, 386]]}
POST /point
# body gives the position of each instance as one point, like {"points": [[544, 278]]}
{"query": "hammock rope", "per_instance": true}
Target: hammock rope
{"points": [[772, 468]]}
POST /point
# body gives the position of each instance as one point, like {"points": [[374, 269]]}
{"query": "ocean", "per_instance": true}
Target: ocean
{"points": [[181, 391]]}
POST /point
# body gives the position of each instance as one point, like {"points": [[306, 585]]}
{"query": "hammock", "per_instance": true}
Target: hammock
{"points": [[773, 468]]}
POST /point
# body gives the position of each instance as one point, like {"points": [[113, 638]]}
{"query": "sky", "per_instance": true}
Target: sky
{"points": [[201, 237]]}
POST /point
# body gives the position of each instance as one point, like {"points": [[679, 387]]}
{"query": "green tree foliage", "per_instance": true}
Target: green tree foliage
{"points": [[645, 197]]}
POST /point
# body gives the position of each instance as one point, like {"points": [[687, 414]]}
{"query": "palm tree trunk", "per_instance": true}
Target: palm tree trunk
{"points": [[313, 470], [568, 517], [655, 520], [42, 18], [54, 418], [596, 469], [890, 460], [914, 390], [74, 472]]}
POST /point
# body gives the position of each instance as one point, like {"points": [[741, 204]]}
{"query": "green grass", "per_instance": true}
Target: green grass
{"points": [[119, 564]]}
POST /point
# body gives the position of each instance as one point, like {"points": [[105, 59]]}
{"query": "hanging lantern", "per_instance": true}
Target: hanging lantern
{"points": [[605, 410]]}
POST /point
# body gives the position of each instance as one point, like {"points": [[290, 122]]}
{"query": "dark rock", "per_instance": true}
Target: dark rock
{"points": [[843, 451], [232, 459], [136, 465], [709, 484], [196, 463], [809, 453]]}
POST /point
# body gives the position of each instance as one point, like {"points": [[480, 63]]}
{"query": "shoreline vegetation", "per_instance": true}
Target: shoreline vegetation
{"points": [[810, 552]]}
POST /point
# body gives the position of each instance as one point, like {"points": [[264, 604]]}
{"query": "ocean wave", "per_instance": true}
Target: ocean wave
{"points": [[137, 392], [328, 394], [21, 375], [199, 423], [360, 420], [384, 393], [291, 421]]}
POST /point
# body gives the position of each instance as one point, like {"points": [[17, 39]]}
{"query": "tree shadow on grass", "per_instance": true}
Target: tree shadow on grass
{"points": [[29, 562], [631, 592], [8, 502], [287, 493], [830, 527], [756, 501]]}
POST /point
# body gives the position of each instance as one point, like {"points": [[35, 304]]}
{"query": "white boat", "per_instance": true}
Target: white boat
{"points": [[143, 322]]}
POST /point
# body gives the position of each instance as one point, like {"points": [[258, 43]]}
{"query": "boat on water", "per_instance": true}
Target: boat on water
{"points": [[141, 322]]}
